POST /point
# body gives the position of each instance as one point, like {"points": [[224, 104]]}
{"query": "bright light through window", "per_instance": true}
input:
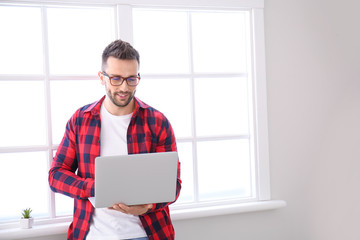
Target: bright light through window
{"points": [[26, 186], [221, 101], [209, 109], [21, 50], [77, 38], [219, 42], [163, 31], [23, 120], [196, 67]]}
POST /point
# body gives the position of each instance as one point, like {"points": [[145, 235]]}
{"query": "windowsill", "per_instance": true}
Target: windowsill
{"points": [[200, 212], [35, 231], [61, 228]]}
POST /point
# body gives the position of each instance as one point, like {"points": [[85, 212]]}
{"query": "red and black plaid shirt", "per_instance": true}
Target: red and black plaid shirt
{"points": [[149, 131]]}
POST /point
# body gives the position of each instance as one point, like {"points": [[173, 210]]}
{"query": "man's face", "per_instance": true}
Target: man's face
{"points": [[124, 94]]}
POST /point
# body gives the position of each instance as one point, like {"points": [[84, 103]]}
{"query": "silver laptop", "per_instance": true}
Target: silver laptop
{"points": [[135, 179]]}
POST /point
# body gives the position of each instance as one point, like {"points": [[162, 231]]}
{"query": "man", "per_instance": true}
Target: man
{"points": [[119, 123]]}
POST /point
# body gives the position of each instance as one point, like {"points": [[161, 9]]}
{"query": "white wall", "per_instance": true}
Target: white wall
{"points": [[313, 57], [313, 75]]}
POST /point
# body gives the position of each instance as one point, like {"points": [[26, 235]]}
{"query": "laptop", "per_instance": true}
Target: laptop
{"points": [[135, 179]]}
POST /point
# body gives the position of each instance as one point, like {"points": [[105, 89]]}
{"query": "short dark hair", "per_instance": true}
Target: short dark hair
{"points": [[121, 50]]}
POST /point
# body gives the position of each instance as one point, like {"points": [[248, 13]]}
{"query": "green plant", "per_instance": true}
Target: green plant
{"points": [[26, 213]]}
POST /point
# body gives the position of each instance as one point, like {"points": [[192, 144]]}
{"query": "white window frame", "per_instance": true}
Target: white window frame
{"points": [[124, 30]]}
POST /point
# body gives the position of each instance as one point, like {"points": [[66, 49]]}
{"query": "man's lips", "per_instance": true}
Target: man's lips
{"points": [[122, 95]]}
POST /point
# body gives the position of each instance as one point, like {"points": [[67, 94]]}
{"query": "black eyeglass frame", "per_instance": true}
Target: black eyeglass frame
{"points": [[122, 79]]}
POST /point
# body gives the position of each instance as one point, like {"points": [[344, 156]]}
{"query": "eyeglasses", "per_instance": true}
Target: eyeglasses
{"points": [[117, 80]]}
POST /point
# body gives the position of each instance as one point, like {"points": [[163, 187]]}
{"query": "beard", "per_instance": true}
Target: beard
{"points": [[118, 103]]}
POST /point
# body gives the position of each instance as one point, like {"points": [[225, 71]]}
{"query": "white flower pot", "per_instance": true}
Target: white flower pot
{"points": [[26, 222]]}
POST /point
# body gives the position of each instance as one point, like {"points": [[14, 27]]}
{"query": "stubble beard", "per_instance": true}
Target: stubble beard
{"points": [[112, 97]]}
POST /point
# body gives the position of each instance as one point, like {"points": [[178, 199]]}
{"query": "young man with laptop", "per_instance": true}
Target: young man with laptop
{"points": [[117, 124]]}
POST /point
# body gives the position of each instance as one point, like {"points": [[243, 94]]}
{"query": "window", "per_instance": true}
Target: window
{"points": [[202, 70], [42, 83], [203, 67]]}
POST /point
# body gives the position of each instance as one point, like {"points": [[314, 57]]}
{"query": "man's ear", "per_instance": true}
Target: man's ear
{"points": [[101, 76]]}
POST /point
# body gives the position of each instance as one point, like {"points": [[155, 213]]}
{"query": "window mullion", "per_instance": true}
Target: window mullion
{"points": [[124, 23], [51, 195], [193, 114]]}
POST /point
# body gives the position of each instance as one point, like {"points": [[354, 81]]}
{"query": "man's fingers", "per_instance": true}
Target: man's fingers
{"points": [[118, 207], [124, 207], [134, 210]]}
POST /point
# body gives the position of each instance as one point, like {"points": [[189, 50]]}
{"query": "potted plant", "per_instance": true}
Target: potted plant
{"points": [[26, 221]]}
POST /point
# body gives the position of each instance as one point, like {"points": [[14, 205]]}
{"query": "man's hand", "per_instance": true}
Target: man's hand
{"points": [[133, 210]]}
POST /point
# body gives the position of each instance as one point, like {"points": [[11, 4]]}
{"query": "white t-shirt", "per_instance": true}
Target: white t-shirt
{"points": [[106, 223]]}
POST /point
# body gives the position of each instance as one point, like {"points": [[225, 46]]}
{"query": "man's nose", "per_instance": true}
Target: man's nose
{"points": [[124, 86]]}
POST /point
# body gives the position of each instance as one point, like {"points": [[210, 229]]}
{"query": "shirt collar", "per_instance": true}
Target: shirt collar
{"points": [[140, 104]]}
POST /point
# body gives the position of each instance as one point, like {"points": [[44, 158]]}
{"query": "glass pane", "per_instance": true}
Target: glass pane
{"points": [[23, 184], [221, 106], [21, 40], [161, 37], [187, 176], [77, 38], [171, 97], [224, 169], [219, 41], [22, 120], [68, 96], [64, 205]]}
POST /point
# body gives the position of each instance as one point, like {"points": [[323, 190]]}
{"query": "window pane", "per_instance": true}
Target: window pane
{"points": [[224, 169], [221, 106], [21, 40], [23, 184], [67, 97], [64, 205], [171, 97], [219, 42], [187, 176], [23, 113], [161, 37], [77, 38]]}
